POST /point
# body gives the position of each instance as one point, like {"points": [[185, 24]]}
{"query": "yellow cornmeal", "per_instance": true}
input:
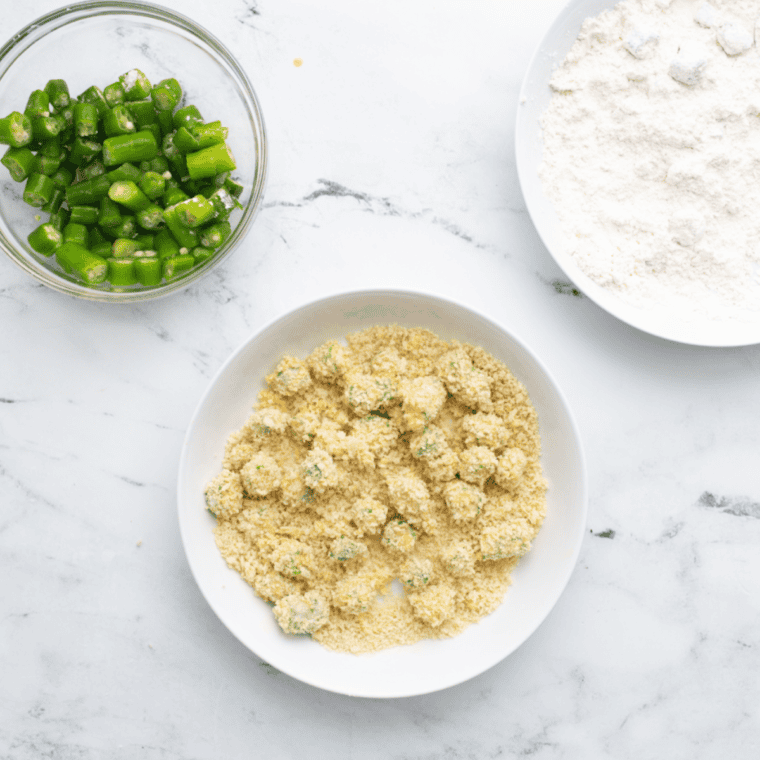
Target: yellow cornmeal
{"points": [[396, 456]]}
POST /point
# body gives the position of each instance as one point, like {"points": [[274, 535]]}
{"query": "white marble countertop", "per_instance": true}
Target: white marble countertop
{"points": [[391, 166]]}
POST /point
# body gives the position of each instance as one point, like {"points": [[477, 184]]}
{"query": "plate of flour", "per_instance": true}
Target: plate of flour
{"points": [[638, 153]]}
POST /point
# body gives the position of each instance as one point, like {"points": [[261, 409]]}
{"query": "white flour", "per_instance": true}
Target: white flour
{"points": [[657, 182]]}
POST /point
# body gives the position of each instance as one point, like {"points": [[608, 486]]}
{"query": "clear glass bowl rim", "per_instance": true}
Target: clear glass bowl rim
{"points": [[39, 28]]}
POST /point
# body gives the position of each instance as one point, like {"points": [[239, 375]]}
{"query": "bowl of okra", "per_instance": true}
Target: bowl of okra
{"points": [[133, 151]]}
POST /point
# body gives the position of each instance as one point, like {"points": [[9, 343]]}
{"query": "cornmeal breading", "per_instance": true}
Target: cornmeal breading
{"points": [[394, 456]]}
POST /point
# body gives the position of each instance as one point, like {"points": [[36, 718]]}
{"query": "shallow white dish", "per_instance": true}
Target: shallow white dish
{"points": [[535, 95], [428, 665]]}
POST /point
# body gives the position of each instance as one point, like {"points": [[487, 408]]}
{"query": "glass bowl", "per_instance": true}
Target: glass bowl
{"points": [[94, 43]]}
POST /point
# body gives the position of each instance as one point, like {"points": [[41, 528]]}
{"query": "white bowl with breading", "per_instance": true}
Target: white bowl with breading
{"points": [[429, 665]]}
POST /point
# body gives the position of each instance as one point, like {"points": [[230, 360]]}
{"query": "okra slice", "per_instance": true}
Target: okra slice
{"points": [[178, 265], [38, 189], [151, 217], [136, 85], [186, 237], [152, 184], [83, 150], [101, 249], [118, 121], [62, 177], [88, 192], [201, 254], [195, 211], [38, 104], [124, 248], [59, 219], [185, 141], [142, 112], [127, 227], [183, 117], [96, 238], [20, 162], [125, 171], [165, 244], [109, 215], [210, 161], [58, 93], [56, 199], [94, 169], [121, 272], [45, 239], [50, 157], [16, 130], [84, 214], [224, 204], [76, 233], [173, 193], [95, 96], [114, 94], [169, 94], [209, 134], [148, 271], [93, 269], [127, 193], [133, 148], [47, 127], [214, 235], [86, 119], [233, 187]]}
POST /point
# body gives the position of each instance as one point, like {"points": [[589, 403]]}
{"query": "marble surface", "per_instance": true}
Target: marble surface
{"points": [[391, 166]]}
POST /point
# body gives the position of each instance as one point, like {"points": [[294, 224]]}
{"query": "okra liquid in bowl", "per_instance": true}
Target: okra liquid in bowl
{"points": [[94, 43]]}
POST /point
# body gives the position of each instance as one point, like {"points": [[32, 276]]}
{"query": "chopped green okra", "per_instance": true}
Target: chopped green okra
{"points": [[38, 104], [215, 235], [166, 246], [87, 215], [152, 184], [58, 93], [151, 217], [86, 119], [128, 194], [114, 94], [210, 161], [93, 269], [148, 271], [38, 190], [56, 199], [137, 189], [178, 265], [136, 85], [83, 150], [121, 272], [124, 248], [95, 96], [16, 130], [20, 162], [135, 146], [45, 239], [195, 211], [76, 233]]}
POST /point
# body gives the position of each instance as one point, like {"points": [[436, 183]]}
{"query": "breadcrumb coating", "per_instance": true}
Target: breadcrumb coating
{"points": [[394, 455]]}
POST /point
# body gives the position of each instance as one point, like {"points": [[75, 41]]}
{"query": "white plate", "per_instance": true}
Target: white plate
{"points": [[429, 665], [535, 95]]}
